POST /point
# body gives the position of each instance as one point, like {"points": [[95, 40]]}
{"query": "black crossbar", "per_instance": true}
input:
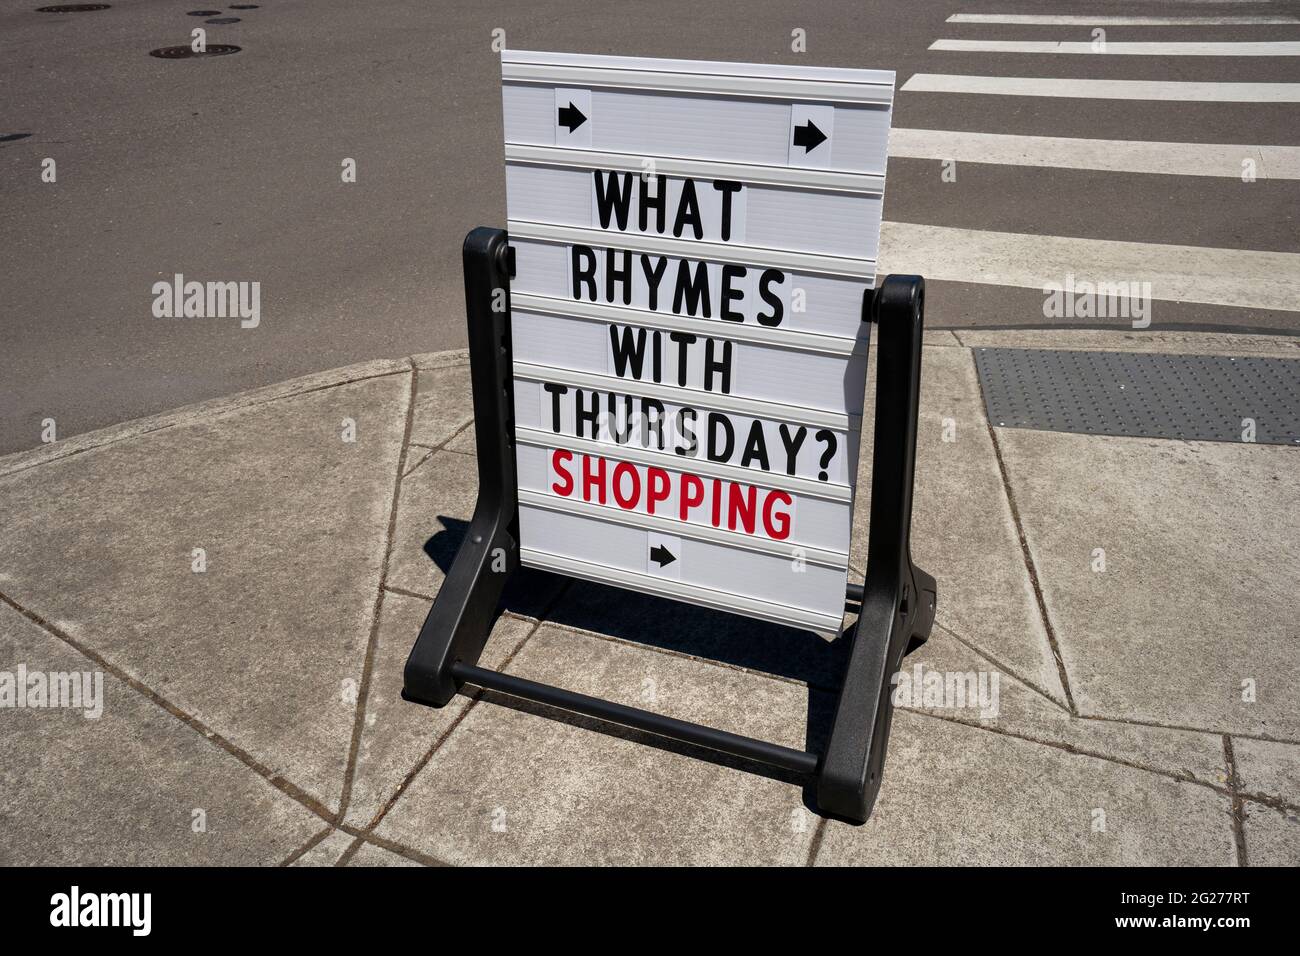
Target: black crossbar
{"points": [[762, 751]]}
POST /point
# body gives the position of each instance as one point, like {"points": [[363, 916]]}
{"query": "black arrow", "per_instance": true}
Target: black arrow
{"points": [[571, 117], [662, 555], [809, 137]]}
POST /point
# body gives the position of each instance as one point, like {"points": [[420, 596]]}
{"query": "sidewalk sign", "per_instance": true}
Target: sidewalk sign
{"points": [[668, 357]]}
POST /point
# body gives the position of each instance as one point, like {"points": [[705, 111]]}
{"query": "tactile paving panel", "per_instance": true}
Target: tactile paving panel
{"points": [[1142, 394]]}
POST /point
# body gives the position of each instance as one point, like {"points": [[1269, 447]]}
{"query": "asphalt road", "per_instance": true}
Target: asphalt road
{"points": [[228, 168]]}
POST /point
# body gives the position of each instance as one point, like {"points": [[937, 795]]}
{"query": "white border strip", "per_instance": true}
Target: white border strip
{"points": [[792, 177], [705, 597], [1176, 91], [1126, 47], [860, 269], [826, 490], [710, 401], [868, 87], [734, 331], [827, 74], [838, 561]]}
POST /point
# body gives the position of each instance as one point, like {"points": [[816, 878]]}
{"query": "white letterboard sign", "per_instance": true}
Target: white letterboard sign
{"points": [[692, 244]]}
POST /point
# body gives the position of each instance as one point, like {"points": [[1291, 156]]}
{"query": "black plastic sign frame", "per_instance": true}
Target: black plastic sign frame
{"points": [[896, 601]]}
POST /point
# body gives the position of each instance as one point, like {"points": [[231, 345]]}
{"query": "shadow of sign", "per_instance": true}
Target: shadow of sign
{"points": [[724, 639]]}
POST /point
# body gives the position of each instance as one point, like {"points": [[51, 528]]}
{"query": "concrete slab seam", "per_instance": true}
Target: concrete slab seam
{"points": [[350, 852], [1185, 777], [1238, 806], [431, 450], [474, 698], [363, 693], [394, 589], [1196, 730], [401, 849], [815, 844], [186, 415], [288, 788], [1010, 672], [306, 848], [1025, 554]]}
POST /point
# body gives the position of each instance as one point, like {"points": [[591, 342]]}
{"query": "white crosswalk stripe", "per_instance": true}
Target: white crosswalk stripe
{"points": [[1175, 90], [1236, 277], [1126, 48], [1101, 20], [1113, 155]]}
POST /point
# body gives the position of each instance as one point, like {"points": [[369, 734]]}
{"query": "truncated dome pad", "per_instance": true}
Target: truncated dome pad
{"points": [[1144, 395]]}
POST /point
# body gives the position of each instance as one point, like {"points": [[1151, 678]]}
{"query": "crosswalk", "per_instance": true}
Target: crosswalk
{"points": [[1266, 279]]}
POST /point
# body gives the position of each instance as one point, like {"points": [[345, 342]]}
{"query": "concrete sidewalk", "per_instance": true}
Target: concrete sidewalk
{"points": [[1147, 713]]}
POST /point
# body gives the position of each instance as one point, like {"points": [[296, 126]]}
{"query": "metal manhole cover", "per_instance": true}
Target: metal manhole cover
{"points": [[1143, 395], [183, 52], [203, 13], [74, 8]]}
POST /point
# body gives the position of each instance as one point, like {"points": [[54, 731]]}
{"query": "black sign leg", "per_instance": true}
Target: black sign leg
{"points": [[898, 598], [461, 618]]}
